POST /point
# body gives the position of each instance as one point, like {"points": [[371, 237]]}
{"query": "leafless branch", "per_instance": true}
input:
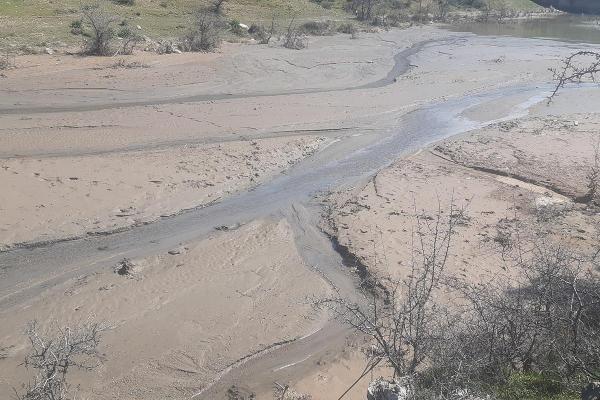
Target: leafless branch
{"points": [[54, 354], [576, 68]]}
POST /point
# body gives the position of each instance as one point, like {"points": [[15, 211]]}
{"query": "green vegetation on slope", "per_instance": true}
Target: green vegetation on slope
{"points": [[523, 5], [42, 22]]}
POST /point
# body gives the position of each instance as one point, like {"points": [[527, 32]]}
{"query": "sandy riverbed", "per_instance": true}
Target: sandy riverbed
{"points": [[527, 174], [53, 198], [179, 319], [151, 149], [73, 171]]}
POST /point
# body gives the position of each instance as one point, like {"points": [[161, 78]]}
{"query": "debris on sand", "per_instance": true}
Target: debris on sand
{"points": [[125, 267]]}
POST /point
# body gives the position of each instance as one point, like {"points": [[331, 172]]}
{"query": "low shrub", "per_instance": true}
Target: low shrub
{"points": [[77, 27], [348, 28], [7, 61], [317, 28], [534, 386], [236, 28], [129, 39], [294, 39], [326, 4], [206, 34], [261, 34]]}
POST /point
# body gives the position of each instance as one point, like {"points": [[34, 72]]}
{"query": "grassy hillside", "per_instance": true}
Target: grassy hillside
{"points": [[47, 22], [44, 23], [523, 5]]}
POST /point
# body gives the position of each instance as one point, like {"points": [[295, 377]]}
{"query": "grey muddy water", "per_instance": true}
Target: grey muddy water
{"points": [[568, 28]]}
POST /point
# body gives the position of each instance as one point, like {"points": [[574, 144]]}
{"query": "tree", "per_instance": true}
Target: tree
{"points": [[101, 24], [54, 354]]}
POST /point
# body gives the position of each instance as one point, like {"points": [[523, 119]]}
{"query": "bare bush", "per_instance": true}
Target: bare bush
{"points": [[261, 34], [363, 9], [543, 320], [497, 10], [440, 9], [400, 316], [577, 68], [348, 28], [532, 329], [206, 34], [593, 179], [318, 28], [7, 61], [501, 10], [123, 64], [293, 38], [284, 392], [423, 9], [54, 354], [130, 39], [102, 31]]}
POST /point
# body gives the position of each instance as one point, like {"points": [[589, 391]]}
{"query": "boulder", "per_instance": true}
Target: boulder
{"points": [[382, 389], [591, 392]]}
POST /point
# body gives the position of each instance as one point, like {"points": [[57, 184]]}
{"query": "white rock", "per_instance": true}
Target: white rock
{"points": [[381, 389], [139, 27], [48, 50]]}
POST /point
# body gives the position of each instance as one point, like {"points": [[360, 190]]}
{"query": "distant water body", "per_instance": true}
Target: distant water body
{"points": [[573, 6], [568, 28]]}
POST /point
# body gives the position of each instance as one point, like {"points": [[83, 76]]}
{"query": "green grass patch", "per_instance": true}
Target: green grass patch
{"points": [[534, 386]]}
